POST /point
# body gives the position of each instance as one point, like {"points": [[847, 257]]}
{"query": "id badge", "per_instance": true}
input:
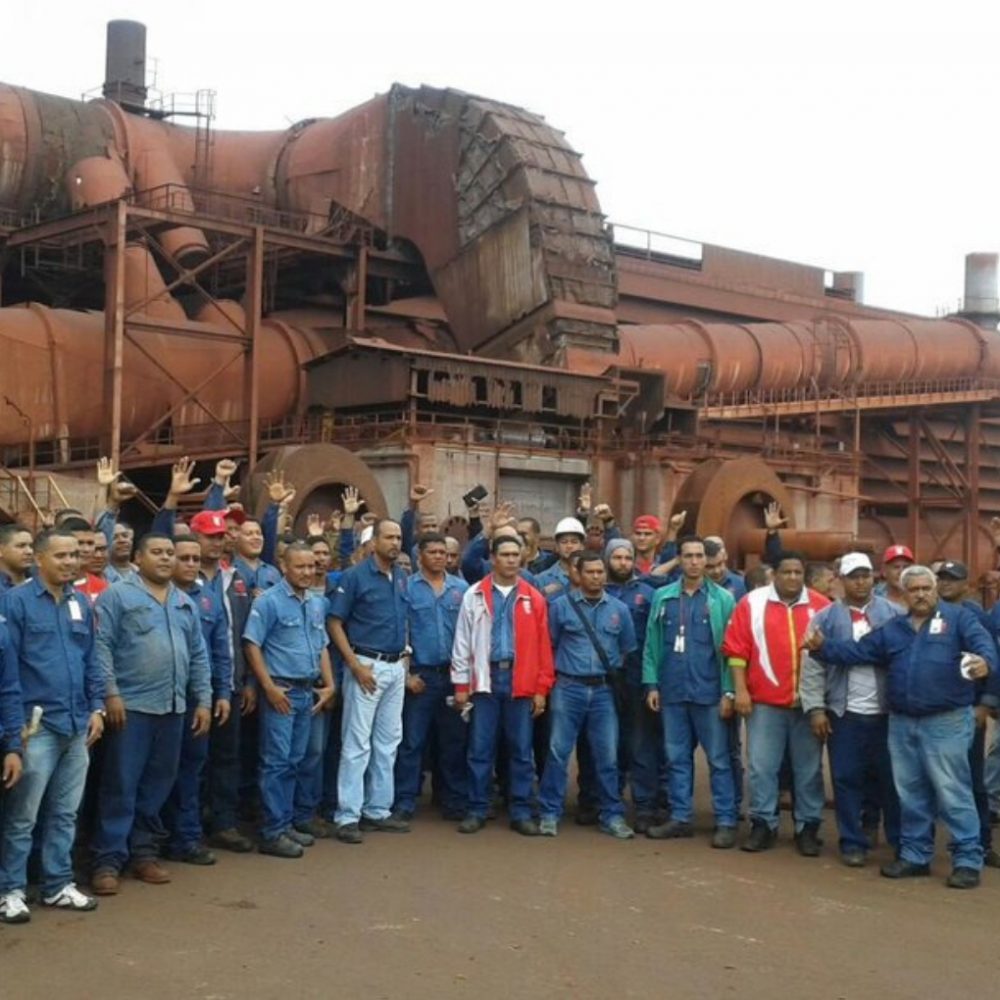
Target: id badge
{"points": [[679, 644], [75, 612], [936, 626]]}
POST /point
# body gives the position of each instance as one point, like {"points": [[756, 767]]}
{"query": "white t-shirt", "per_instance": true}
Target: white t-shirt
{"points": [[862, 687]]}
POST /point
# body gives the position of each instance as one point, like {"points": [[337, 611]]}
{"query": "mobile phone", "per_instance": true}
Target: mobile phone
{"points": [[477, 494]]}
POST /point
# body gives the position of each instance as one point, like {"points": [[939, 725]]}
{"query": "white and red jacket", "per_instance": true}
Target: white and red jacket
{"points": [[534, 672], [764, 637]]}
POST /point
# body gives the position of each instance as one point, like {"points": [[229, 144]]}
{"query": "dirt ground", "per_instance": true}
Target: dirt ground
{"points": [[436, 914]]}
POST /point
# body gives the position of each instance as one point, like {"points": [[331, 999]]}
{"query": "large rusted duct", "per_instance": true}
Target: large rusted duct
{"points": [[58, 355]]}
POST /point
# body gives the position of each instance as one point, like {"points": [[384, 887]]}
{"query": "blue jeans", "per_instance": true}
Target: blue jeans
{"points": [[421, 713], [977, 765], [770, 731], [685, 725], [223, 783], [309, 773], [859, 745], [48, 794], [182, 813], [491, 714], [371, 731], [140, 768], [991, 772], [735, 726], [331, 758], [641, 748], [930, 764], [576, 707], [283, 743]]}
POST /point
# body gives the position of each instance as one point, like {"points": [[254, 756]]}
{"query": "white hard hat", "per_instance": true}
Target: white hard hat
{"points": [[569, 526]]}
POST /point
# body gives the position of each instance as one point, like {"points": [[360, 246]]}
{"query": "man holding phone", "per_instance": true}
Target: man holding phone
{"points": [[285, 643]]}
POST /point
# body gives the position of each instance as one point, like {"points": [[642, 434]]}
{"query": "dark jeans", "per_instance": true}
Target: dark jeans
{"points": [[309, 775], [641, 751], [140, 767], [977, 762], [182, 812], [223, 784], [859, 744], [331, 761]]}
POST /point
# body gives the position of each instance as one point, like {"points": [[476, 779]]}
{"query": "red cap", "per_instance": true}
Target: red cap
{"points": [[897, 552], [209, 522], [646, 522], [237, 514]]}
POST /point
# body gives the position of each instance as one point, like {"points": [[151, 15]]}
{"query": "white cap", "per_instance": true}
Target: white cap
{"points": [[569, 526], [854, 561], [367, 533]]}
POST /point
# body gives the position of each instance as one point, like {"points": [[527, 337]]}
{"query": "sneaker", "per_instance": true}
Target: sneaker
{"points": [[316, 828], [724, 838], [299, 837], [904, 869], [197, 855], [618, 829], [13, 908], [525, 827], [231, 840], [350, 833], [548, 828], [471, 824], [70, 898], [761, 838], [960, 878], [854, 859], [281, 847], [391, 824], [672, 830], [808, 842], [105, 882]]}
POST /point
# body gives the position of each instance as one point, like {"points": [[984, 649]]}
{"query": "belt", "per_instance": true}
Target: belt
{"points": [[590, 680], [377, 654], [431, 666], [297, 682], [501, 664]]}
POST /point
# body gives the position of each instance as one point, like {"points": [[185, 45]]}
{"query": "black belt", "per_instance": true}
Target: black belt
{"points": [[590, 680], [377, 654], [296, 682], [501, 664], [431, 666]]}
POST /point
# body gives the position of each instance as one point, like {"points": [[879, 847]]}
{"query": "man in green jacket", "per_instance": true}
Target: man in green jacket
{"points": [[688, 680]]}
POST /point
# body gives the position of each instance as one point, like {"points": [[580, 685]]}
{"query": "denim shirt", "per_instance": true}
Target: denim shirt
{"points": [[637, 595], [289, 631], [502, 629], [694, 674], [152, 655], [263, 577], [432, 618], [210, 602], [575, 653], [11, 705], [372, 606], [53, 646], [553, 583]]}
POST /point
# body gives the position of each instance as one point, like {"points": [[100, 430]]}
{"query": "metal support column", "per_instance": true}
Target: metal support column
{"points": [[254, 300], [114, 330]]}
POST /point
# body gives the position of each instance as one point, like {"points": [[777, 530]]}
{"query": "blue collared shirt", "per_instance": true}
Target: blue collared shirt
{"points": [[553, 583], [152, 655], [289, 630], [210, 602], [11, 705], [53, 647], [612, 624], [690, 671], [502, 632], [262, 578], [432, 618], [637, 595], [372, 606]]}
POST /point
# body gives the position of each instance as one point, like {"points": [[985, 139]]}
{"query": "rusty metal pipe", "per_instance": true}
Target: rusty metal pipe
{"points": [[819, 545]]}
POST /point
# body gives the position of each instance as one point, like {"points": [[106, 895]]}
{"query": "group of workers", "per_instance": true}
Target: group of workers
{"points": [[229, 684]]}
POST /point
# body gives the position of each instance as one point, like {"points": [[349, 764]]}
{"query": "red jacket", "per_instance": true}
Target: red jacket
{"points": [[764, 637]]}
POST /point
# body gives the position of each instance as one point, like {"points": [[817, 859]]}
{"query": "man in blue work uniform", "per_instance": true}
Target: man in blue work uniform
{"points": [[285, 644], [51, 631], [931, 724], [433, 602], [16, 556], [151, 652], [259, 575], [641, 738], [717, 568], [368, 626], [592, 634], [555, 581], [688, 681], [183, 810]]}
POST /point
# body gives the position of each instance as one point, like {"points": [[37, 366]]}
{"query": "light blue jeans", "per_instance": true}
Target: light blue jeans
{"points": [[370, 733], [49, 792], [930, 766], [685, 725], [770, 730]]}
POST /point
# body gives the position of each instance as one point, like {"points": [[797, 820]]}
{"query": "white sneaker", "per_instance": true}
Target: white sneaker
{"points": [[70, 898], [13, 909]]}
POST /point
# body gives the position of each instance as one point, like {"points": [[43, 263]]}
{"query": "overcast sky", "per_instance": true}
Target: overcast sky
{"points": [[829, 133]]}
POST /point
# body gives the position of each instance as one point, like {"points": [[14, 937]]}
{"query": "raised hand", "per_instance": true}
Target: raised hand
{"points": [[277, 489], [335, 521], [106, 473], [676, 522], [351, 500], [419, 493], [585, 499], [314, 525], [604, 513], [772, 516], [225, 469], [180, 477]]}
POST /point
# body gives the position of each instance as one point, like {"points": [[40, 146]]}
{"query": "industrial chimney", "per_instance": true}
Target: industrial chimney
{"points": [[125, 65], [981, 303]]}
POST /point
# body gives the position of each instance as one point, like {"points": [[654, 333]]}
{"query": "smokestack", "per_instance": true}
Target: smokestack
{"points": [[125, 64], [981, 303], [850, 284]]}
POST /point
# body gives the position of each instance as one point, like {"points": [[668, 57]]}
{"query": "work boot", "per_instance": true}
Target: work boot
{"points": [[281, 847], [150, 870], [471, 824], [724, 838], [525, 827], [231, 840], [963, 878], [196, 855], [761, 838], [298, 837], [674, 829], [316, 828], [643, 822], [105, 882], [904, 869], [808, 842], [391, 824], [854, 859], [350, 833], [991, 859]]}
